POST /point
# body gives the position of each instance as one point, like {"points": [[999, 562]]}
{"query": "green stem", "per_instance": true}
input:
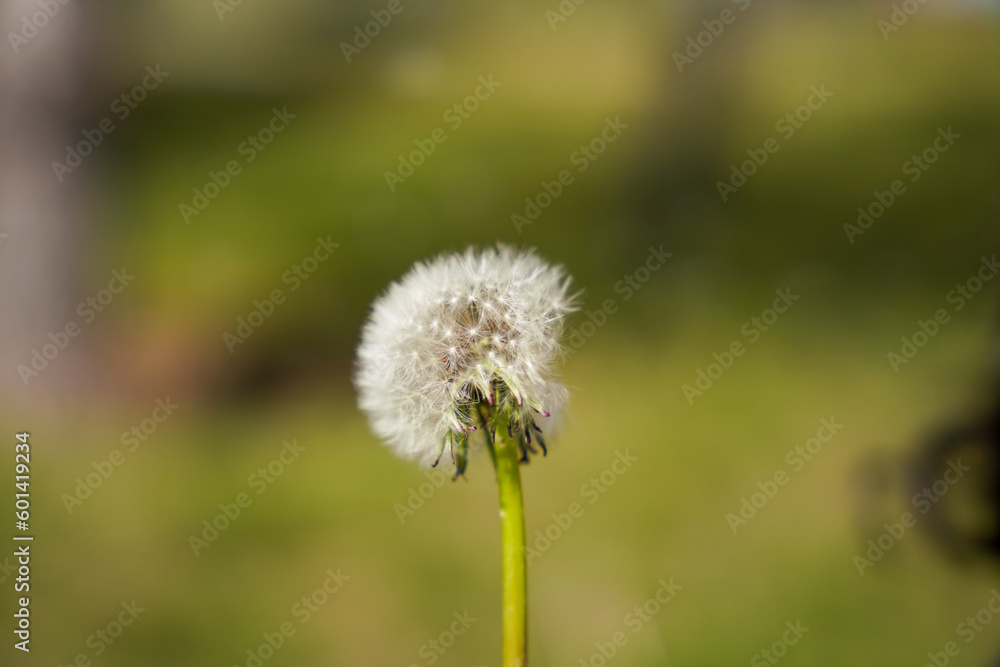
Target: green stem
{"points": [[515, 586]]}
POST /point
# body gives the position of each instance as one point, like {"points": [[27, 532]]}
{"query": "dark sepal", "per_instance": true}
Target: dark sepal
{"points": [[460, 453]]}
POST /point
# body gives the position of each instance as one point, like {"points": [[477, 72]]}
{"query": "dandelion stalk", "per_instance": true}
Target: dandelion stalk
{"points": [[507, 459]]}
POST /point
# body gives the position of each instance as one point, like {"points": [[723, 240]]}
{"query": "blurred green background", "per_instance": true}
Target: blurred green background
{"points": [[336, 506]]}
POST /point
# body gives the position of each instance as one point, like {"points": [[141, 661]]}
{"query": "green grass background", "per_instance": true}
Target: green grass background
{"points": [[665, 517]]}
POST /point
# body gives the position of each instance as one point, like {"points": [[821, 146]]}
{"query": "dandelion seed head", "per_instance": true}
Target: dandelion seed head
{"points": [[428, 356]]}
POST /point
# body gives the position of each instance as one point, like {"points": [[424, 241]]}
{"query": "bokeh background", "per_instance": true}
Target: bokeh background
{"points": [[563, 70]]}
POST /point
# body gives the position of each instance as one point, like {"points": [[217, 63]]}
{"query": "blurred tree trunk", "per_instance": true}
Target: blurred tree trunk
{"points": [[693, 114], [42, 74]]}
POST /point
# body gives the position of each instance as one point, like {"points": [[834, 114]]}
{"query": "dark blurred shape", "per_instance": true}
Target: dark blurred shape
{"points": [[937, 457], [967, 523]]}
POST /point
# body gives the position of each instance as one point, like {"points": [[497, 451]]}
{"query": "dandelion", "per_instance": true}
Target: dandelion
{"points": [[460, 356]]}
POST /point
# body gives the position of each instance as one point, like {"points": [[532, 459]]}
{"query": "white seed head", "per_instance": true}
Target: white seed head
{"points": [[449, 333]]}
